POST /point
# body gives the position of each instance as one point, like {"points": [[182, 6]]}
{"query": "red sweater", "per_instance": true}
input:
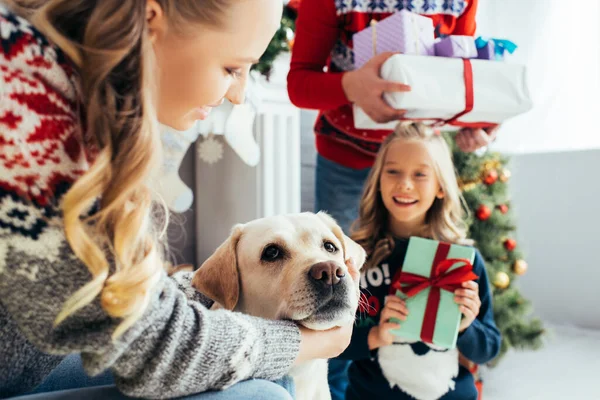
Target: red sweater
{"points": [[324, 30]]}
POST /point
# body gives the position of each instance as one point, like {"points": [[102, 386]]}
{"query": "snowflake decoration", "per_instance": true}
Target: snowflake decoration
{"points": [[210, 150]]}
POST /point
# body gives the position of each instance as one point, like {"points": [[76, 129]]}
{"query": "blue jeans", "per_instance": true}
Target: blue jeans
{"points": [[68, 381], [338, 190]]}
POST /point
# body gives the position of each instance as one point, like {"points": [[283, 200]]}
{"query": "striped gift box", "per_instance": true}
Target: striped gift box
{"points": [[403, 32]]}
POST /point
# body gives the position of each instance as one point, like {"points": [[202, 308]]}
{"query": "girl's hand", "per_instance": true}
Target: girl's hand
{"points": [[469, 301], [469, 139], [365, 88], [380, 335]]}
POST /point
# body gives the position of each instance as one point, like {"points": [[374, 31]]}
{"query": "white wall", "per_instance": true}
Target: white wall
{"points": [[554, 185], [556, 197], [559, 42]]}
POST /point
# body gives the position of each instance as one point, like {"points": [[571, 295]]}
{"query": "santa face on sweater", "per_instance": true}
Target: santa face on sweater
{"points": [[421, 370]]}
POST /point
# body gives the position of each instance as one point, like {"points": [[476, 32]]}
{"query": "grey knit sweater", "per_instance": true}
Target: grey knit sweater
{"points": [[178, 347]]}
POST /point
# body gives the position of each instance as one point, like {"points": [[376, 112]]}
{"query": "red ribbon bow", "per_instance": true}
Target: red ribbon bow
{"points": [[440, 278]]}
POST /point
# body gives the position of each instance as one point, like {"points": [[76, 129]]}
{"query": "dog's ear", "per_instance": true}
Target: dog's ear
{"points": [[218, 278], [350, 248]]}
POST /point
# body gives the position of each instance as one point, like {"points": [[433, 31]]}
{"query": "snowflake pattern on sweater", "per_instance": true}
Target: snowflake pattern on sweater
{"points": [[42, 148], [451, 7]]}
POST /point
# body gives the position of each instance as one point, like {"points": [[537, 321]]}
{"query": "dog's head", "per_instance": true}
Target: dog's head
{"points": [[286, 267]]}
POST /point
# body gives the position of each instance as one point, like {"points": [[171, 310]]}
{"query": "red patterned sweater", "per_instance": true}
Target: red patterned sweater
{"points": [[324, 30], [178, 347]]}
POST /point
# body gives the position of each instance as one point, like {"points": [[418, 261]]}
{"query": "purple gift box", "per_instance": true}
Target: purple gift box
{"points": [[487, 52], [403, 32], [456, 46]]}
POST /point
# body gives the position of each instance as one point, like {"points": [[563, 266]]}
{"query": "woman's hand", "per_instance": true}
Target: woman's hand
{"points": [[365, 88], [330, 343], [380, 335], [469, 139], [323, 344], [469, 301]]}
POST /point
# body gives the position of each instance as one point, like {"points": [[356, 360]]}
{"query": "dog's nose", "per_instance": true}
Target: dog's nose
{"points": [[327, 272]]}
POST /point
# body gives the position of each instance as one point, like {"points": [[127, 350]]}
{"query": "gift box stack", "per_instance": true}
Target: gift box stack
{"points": [[455, 80]]}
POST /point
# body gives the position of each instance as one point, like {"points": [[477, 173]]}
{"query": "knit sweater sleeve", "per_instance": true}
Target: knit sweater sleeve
{"points": [[466, 23], [183, 280], [316, 33], [481, 341], [178, 347]]}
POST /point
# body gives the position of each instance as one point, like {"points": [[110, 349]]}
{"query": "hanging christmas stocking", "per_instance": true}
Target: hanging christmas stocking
{"points": [[239, 133], [176, 194]]}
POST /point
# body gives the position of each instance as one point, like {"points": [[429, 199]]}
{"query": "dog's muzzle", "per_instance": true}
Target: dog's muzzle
{"points": [[325, 275], [330, 286]]}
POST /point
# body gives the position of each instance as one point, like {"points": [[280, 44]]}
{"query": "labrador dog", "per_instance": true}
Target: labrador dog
{"points": [[288, 267]]}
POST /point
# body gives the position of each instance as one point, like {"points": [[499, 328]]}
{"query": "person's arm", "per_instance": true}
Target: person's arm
{"points": [[480, 342], [316, 33], [466, 23], [183, 280], [177, 347]]}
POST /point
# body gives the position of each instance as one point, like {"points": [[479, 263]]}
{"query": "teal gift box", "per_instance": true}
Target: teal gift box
{"points": [[431, 272]]}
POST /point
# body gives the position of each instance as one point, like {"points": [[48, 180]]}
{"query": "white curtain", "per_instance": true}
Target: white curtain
{"points": [[559, 41]]}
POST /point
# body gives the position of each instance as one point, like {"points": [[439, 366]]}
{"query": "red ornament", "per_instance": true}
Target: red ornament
{"points": [[510, 244], [294, 5], [490, 177], [503, 208], [483, 212]]}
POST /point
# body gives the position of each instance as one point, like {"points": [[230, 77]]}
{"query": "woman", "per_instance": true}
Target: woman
{"points": [[81, 263]]}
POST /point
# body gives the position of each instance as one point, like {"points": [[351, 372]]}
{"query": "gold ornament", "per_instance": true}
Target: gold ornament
{"points": [[465, 187], [505, 175], [520, 267], [491, 164], [501, 280]]}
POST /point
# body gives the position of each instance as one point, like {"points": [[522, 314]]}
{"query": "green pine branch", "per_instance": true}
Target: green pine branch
{"points": [[280, 43]]}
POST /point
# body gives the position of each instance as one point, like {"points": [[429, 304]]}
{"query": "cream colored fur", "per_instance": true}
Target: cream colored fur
{"points": [[238, 279]]}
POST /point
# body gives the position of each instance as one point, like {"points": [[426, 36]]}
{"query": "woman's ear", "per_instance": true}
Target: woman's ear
{"points": [[155, 18], [440, 194]]}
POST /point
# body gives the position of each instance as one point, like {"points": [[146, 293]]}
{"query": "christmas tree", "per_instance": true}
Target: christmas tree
{"points": [[282, 42], [484, 183]]}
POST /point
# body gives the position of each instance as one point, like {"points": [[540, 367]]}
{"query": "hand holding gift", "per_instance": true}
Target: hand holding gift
{"points": [[460, 87], [469, 303], [470, 139], [364, 87], [381, 335]]}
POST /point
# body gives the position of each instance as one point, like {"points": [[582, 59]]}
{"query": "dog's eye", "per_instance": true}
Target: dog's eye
{"points": [[271, 253], [330, 247]]}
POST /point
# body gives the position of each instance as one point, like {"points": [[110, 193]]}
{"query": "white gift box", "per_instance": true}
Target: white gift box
{"points": [[438, 91]]}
